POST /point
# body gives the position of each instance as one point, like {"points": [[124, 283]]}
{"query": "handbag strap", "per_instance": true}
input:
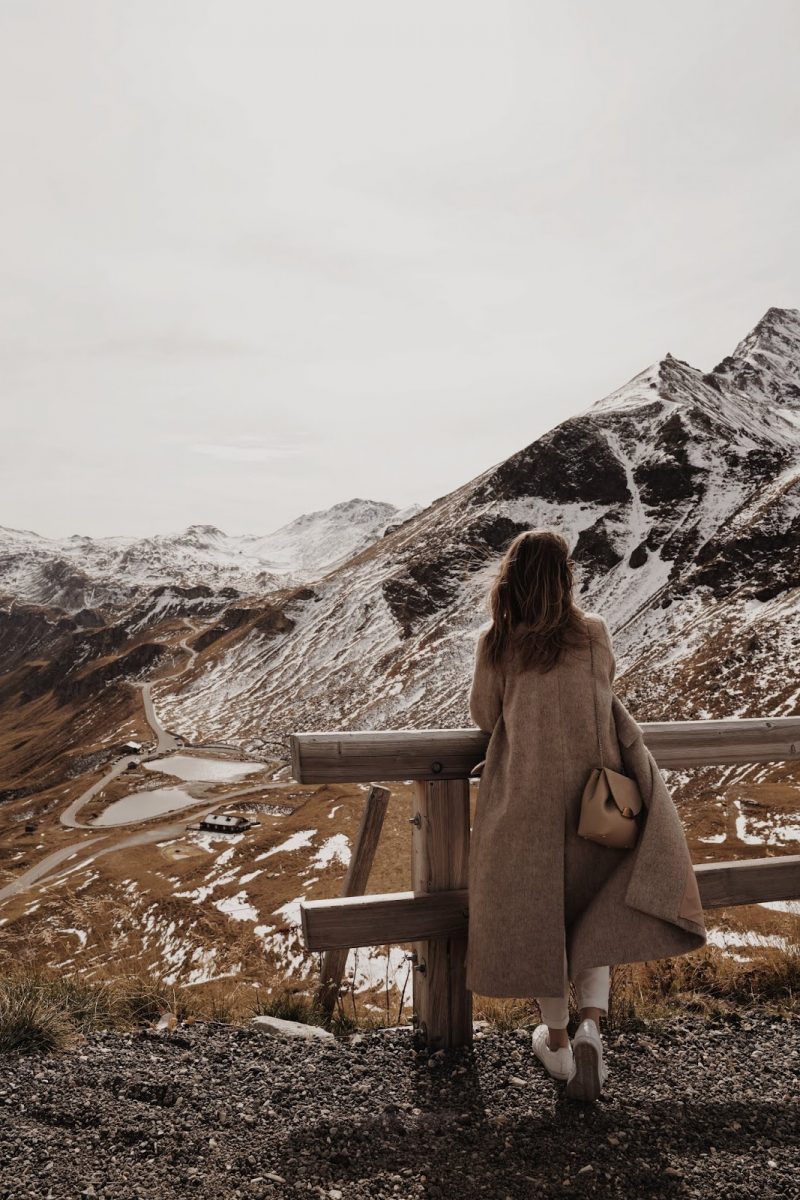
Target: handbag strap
{"points": [[594, 698]]}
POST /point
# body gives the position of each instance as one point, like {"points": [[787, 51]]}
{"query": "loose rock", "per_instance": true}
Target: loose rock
{"points": [[231, 1114]]}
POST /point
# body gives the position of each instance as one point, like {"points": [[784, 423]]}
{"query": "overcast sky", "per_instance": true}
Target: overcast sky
{"points": [[257, 258]]}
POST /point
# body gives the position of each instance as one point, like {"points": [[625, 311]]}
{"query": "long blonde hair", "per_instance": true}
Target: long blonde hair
{"points": [[531, 600]]}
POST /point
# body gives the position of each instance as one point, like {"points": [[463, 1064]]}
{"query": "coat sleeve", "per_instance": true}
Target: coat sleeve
{"points": [[486, 695]]}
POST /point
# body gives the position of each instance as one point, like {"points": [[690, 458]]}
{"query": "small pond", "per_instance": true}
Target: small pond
{"points": [[203, 770], [141, 806]]}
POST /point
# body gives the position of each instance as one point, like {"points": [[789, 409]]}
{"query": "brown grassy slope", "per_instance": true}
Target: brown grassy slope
{"points": [[61, 715], [148, 922]]}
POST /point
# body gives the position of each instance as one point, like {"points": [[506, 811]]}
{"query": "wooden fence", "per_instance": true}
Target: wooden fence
{"points": [[434, 914]]}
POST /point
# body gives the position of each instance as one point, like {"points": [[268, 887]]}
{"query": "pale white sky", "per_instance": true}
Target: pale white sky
{"points": [[257, 258]]}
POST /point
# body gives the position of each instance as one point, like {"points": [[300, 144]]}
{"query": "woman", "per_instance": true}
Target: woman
{"points": [[546, 905]]}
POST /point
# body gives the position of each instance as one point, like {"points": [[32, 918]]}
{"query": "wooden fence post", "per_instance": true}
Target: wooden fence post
{"points": [[440, 862], [355, 884]]}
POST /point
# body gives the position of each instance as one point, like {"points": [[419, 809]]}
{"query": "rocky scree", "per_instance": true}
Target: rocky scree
{"points": [[692, 1109]]}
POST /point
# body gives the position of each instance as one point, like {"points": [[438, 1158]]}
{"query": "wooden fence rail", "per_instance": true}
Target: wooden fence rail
{"points": [[393, 917], [452, 753], [434, 916]]}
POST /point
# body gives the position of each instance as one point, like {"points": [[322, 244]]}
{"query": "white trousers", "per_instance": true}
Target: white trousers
{"points": [[591, 989]]}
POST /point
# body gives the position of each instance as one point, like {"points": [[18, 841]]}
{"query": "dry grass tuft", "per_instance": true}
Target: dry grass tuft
{"points": [[41, 1011], [288, 1005], [503, 1014], [33, 1018], [708, 982]]}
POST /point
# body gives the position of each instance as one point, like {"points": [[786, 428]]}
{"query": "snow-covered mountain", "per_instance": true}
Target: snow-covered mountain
{"points": [[323, 540], [82, 572], [680, 494]]}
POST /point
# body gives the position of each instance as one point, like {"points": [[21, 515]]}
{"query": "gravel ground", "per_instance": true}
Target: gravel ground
{"points": [[691, 1109]]}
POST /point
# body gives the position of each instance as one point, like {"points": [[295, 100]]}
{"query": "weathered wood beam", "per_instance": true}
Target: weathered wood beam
{"points": [[405, 917], [382, 918], [452, 753], [355, 884], [407, 754], [710, 743], [440, 864], [749, 881]]}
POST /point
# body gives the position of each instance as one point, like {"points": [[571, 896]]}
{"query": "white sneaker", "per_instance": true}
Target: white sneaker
{"points": [[589, 1073], [558, 1063]]}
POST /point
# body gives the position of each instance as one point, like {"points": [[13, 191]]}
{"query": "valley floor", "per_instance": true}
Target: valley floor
{"points": [[691, 1109]]}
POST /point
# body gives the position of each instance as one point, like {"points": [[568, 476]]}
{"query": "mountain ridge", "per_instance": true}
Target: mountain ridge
{"points": [[81, 572]]}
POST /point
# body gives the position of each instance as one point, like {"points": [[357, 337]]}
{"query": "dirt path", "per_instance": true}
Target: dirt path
{"points": [[166, 742], [48, 864], [46, 873], [68, 816]]}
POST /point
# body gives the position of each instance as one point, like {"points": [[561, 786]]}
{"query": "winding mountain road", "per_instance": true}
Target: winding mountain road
{"points": [[48, 864], [166, 743]]}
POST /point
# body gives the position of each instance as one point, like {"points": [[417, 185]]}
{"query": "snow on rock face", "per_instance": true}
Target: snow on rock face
{"points": [[679, 497], [766, 363], [81, 572], [319, 541]]}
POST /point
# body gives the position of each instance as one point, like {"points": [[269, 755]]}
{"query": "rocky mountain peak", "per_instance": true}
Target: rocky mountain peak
{"points": [[676, 493], [194, 531], [82, 572], [357, 504], [766, 364], [777, 333]]}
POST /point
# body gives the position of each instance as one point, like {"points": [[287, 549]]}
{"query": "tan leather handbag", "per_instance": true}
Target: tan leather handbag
{"points": [[611, 802]]}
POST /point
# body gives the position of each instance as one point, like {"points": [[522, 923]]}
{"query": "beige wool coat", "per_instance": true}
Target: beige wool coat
{"points": [[536, 889]]}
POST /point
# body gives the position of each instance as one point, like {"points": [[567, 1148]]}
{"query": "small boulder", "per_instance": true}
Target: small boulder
{"points": [[279, 1027]]}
